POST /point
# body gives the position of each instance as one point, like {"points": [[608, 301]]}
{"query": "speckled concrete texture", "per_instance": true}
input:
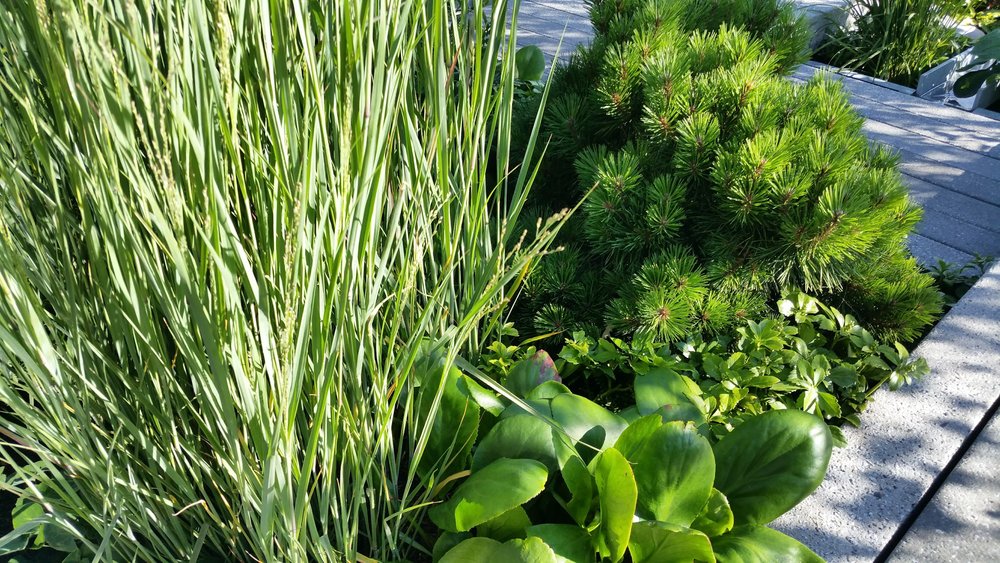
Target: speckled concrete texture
{"points": [[962, 521], [908, 436]]}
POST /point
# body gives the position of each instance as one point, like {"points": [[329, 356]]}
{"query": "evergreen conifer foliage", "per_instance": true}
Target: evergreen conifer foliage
{"points": [[710, 182]]}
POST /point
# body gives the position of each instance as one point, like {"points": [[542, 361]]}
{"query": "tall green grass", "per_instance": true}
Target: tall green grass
{"points": [[228, 231], [895, 40]]}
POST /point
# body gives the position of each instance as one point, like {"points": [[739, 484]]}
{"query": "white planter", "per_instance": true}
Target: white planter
{"points": [[938, 84]]}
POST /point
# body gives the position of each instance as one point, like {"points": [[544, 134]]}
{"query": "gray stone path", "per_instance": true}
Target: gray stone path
{"points": [[961, 521], [877, 487]]}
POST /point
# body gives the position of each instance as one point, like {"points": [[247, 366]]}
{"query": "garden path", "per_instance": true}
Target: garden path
{"points": [[919, 481]]}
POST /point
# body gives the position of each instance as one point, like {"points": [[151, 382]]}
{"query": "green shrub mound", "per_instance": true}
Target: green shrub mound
{"points": [[710, 182]]}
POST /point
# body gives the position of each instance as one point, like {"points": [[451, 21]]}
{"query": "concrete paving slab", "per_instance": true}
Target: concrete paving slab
{"points": [[924, 127], [907, 437], [958, 233], [954, 204], [950, 177], [962, 520], [578, 8], [542, 18], [928, 252], [904, 100], [933, 149]]}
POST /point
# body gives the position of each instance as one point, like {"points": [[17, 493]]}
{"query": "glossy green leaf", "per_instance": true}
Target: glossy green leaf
{"points": [[481, 549], [548, 390], [508, 526], [969, 83], [681, 412], [530, 373], [534, 550], [570, 542], [662, 386], [988, 46], [759, 544], [630, 414], [586, 421], [446, 541], [25, 511], [633, 438], [674, 472], [530, 63], [455, 424], [519, 437], [581, 486], [486, 399], [656, 542], [717, 517], [489, 492], [28, 521], [770, 462], [617, 493]]}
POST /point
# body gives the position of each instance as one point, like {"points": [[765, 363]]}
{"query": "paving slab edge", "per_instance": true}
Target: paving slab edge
{"points": [[908, 437]]}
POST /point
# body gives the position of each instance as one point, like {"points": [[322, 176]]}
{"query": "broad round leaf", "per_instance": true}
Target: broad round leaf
{"points": [[586, 421], [489, 492], [570, 542], [969, 83], [530, 63], [480, 549], [716, 518], [771, 462], [531, 550], [522, 437], [446, 541], [580, 483], [508, 526], [548, 390], [486, 399], [655, 542], [617, 493], [455, 424], [759, 544], [674, 472], [660, 387], [633, 438], [530, 373]]}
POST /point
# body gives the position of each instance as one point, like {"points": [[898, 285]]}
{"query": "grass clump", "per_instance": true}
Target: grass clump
{"points": [[896, 40], [229, 233]]}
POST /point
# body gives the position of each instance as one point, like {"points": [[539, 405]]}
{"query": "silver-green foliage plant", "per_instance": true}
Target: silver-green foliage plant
{"points": [[557, 477], [228, 232]]}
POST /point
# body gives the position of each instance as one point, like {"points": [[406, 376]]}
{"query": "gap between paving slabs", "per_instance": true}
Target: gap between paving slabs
{"points": [[908, 437]]}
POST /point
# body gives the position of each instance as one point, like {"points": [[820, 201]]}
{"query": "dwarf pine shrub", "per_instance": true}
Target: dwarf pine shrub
{"points": [[710, 182]]}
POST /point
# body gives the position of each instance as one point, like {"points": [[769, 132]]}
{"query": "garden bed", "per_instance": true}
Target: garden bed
{"points": [[909, 440]]}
